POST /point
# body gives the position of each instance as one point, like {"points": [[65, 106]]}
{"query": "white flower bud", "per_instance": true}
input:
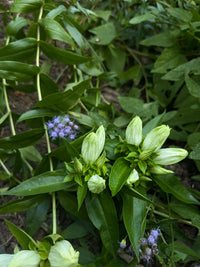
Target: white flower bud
{"points": [[167, 156], [133, 177], [157, 169], [5, 259], [25, 258], [134, 131], [93, 145], [62, 254], [96, 184], [156, 138]]}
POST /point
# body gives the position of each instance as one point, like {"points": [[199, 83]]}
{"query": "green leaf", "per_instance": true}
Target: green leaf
{"points": [[119, 174], [81, 194], [104, 34], [193, 86], [61, 55], [44, 183], [165, 39], [26, 6], [19, 50], [56, 12], [171, 184], [130, 104], [195, 154], [141, 18], [36, 215], [17, 71], [74, 231], [185, 249], [134, 214], [63, 101], [157, 121], [22, 204], [25, 240], [101, 211], [22, 139], [48, 86], [36, 113], [180, 13], [16, 25], [55, 31]]}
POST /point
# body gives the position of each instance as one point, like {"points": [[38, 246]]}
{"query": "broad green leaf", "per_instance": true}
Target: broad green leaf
{"points": [[22, 237], [81, 194], [104, 34], [171, 184], [164, 39], [86, 258], [17, 71], [56, 12], [104, 14], [130, 104], [119, 174], [74, 231], [36, 113], [141, 18], [180, 13], [64, 100], [134, 213], [44, 183], [101, 211], [48, 86], [22, 204], [54, 31], [22, 139], [26, 6], [193, 86], [16, 25], [71, 149], [61, 55], [112, 55], [195, 154], [169, 59], [157, 121], [30, 153], [36, 216], [185, 249]]}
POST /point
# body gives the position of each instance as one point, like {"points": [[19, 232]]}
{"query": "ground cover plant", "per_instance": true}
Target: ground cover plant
{"points": [[115, 132]]}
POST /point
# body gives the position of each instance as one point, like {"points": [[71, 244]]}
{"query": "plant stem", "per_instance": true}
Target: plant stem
{"points": [[44, 125]]}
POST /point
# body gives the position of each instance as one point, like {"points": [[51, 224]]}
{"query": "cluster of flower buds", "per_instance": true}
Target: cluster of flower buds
{"points": [[148, 246], [62, 126], [149, 147], [62, 254]]}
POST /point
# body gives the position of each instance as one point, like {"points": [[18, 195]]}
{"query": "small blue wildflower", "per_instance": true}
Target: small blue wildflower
{"points": [[63, 127], [155, 233], [151, 239], [143, 242]]}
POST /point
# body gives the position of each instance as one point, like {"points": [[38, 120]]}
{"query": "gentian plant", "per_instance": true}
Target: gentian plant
{"points": [[109, 174]]}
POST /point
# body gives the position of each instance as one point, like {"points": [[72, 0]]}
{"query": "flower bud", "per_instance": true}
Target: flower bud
{"points": [[93, 145], [122, 244], [133, 177], [62, 254], [25, 258], [157, 169], [167, 156], [156, 138], [78, 166], [5, 259], [134, 131], [96, 184]]}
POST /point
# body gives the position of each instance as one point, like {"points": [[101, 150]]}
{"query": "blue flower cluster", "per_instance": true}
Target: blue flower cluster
{"points": [[148, 246], [62, 126]]}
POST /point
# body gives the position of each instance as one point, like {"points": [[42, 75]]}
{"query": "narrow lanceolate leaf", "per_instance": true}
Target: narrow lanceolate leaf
{"points": [[134, 212], [26, 6], [22, 204], [40, 184], [64, 100], [171, 184], [101, 211], [16, 25], [61, 55], [17, 71], [36, 113], [19, 50], [119, 174], [55, 31], [22, 139], [22, 237]]}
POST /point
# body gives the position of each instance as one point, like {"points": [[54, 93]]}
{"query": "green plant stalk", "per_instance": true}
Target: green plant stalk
{"points": [[44, 125], [5, 168], [171, 227]]}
